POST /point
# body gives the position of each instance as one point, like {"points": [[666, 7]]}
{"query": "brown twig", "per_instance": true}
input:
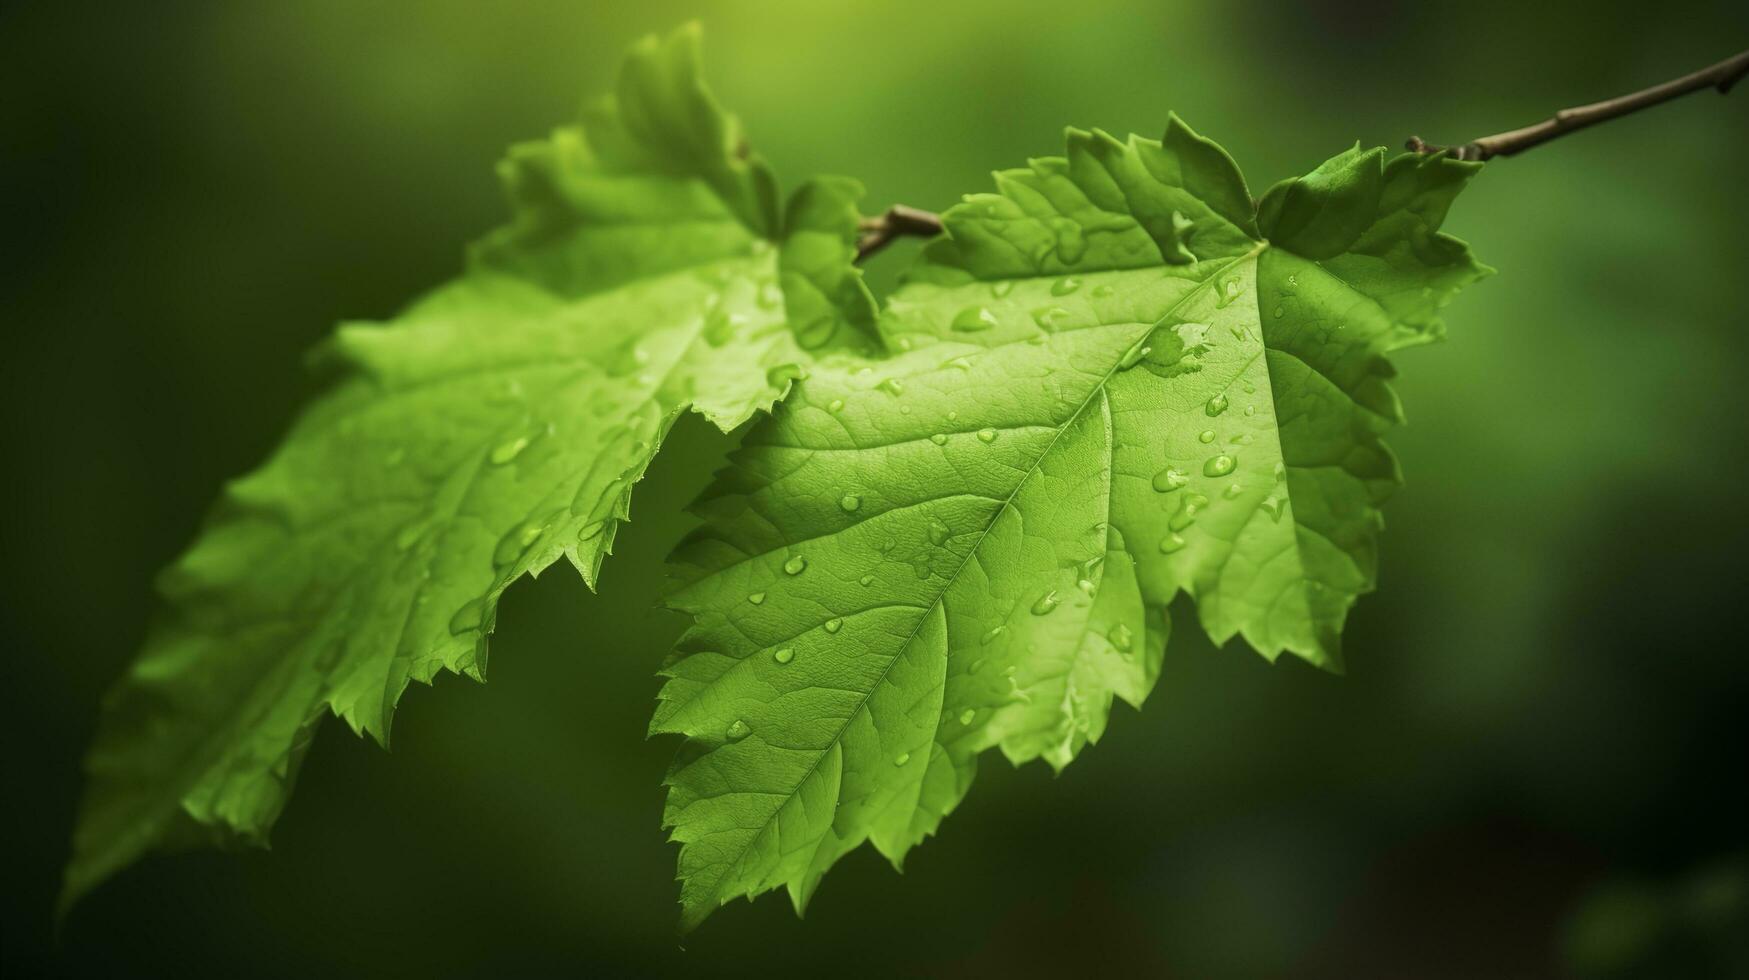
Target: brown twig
{"points": [[899, 221], [1720, 76]]}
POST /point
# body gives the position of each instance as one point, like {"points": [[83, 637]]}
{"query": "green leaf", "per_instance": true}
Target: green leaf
{"points": [[1113, 381], [495, 426]]}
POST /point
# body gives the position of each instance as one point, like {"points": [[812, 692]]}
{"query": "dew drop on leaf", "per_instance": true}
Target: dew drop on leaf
{"points": [[938, 531], [865, 581], [901, 758], [1206, 436], [1065, 286], [756, 598], [1171, 543], [835, 405], [738, 730], [1273, 507], [468, 617], [1219, 465], [784, 656], [1188, 508], [834, 624], [992, 635], [1050, 317], [1215, 406], [1046, 603], [986, 435], [504, 452], [892, 386], [967, 715], [973, 319], [1170, 479], [849, 502], [795, 565], [939, 439], [1120, 637]]}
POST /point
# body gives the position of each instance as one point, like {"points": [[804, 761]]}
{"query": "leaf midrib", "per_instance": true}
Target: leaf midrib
{"points": [[941, 594]]}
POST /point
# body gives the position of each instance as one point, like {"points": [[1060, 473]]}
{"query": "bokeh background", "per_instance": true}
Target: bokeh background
{"points": [[1535, 766]]}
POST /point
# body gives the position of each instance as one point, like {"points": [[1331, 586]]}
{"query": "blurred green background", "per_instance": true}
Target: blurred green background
{"points": [[1535, 766]]}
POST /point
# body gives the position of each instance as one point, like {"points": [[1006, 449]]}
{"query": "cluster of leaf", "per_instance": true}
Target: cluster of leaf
{"points": [[1117, 378]]}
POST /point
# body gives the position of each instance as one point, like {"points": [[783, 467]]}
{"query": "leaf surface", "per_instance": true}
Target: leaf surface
{"points": [[492, 428], [1114, 380]]}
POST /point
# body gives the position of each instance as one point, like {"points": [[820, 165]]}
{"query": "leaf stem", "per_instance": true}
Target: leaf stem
{"points": [[899, 221], [1720, 76]]}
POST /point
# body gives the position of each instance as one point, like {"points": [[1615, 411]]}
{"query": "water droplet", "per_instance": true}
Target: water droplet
{"points": [[1046, 603], [1171, 543], [1085, 585], [967, 715], [756, 598], [953, 416], [1279, 312], [1280, 471], [963, 363], [940, 439], [1250, 410], [849, 502], [938, 531], [973, 319], [866, 581], [738, 730], [1273, 507], [468, 617], [784, 656], [1002, 288], [1120, 637], [1065, 286], [901, 758], [1233, 490], [1170, 479], [1050, 317], [795, 565], [1206, 436], [976, 666], [1228, 292], [834, 624], [1219, 465], [1188, 508], [1215, 406], [986, 435], [892, 386], [504, 452], [991, 636], [1133, 356], [835, 405], [1293, 280], [720, 327]]}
